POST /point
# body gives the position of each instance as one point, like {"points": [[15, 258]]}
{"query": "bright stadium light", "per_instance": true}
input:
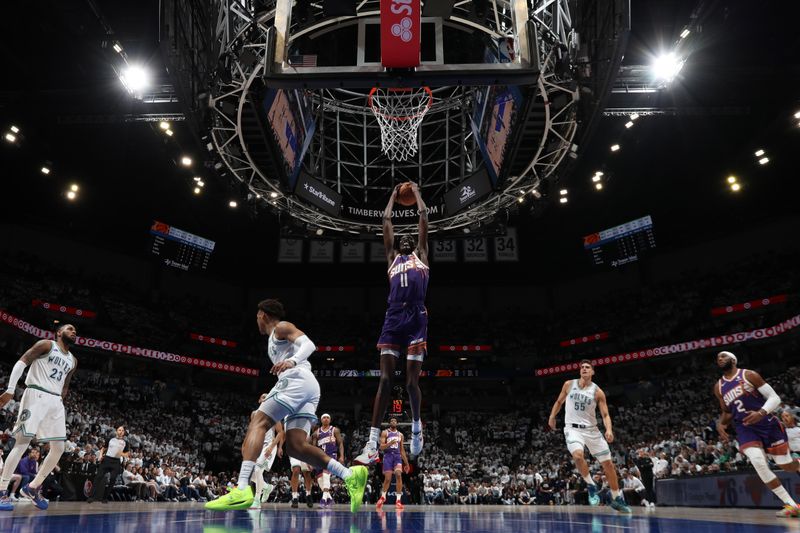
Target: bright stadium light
{"points": [[273, 194], [74, 187], [169, 133], [735, 187], [598, 186], [197, 178], [135, 79], [731, 179], [563, 200], [186, 161], [117, 48], [763, 161], [10, 137], [232, 204], [797, 115], [14, 129], [614, 147], [521, 199], [685, 33], [201, 183], [71, 195], [45, 171], [667, 66], [629, 124], [197, 190], [759, 153], [634, 116], [164, 125], [564, 192], [320, 231], [596, 178]]}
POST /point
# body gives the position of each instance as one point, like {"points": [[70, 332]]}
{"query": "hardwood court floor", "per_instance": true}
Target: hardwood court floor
{"points": [[69, 517]]}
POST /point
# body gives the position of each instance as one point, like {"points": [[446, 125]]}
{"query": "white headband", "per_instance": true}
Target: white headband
{"points": [[324, 415], [729, 354]]}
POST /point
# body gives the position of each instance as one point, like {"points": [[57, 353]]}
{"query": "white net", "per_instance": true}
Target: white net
{"points": [[399, 113]]}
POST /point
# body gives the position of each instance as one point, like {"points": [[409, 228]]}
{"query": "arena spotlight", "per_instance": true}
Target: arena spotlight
{"points": [[462, 358], [197, 190], [232, 204], [763, 161], [634, 116], [169, 133], [273, 194], [563, 192], [10, 137], [667, 66], [45, 171], [14, 129], [117, 48], [735, 187], [731, 179], [598, 186], [536, 194], [74, 187], [685, 33], [135, 79], [164, 125], [563, 200], [797, 115], [596, 178], [614, 147], [759, 153], [71, 195], [521, 199], [629, 124], [319, 232], [197, 178], [201, 183], [186, 161]]}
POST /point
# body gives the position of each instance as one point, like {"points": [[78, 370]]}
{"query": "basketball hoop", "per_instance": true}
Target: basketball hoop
{"points": [[400, 112]]}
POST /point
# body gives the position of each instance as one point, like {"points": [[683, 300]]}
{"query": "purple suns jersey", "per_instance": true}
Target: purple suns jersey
{"points": [[393, 440], [741, 398], [327, 441], [408, 280]]}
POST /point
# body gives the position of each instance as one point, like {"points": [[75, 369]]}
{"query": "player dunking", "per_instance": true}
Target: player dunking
{"points": [[405, 328], [394, 462], [41, 410], [329, 440], [583, 397], [294, 398], [749, 401]]}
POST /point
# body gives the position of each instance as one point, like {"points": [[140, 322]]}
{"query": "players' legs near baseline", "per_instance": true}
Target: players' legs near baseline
{"points": [[384, 394]]}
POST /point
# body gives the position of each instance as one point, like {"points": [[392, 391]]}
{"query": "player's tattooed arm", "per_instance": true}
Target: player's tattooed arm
{"points": [[388, 228], [68, 379], [37, 351], [603, 406], [422, 246], [562, 397], [725, 418]]}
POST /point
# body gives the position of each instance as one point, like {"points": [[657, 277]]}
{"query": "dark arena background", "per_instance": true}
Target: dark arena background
{"points": [[613, 181]]}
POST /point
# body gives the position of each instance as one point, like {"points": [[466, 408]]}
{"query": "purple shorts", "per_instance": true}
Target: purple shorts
{"points": [[391, 462], [405, 329], [768, 434]]}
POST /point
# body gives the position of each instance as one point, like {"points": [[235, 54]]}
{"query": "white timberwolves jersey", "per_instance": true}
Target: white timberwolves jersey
{"points": [[280, 350], [48, 373], [581, 405]]}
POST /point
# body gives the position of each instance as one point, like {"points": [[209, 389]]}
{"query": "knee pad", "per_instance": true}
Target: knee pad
{"points": [[759, 461], [784, 459]]}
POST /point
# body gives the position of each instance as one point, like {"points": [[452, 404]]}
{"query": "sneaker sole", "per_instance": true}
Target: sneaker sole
{"points": [[27, 496]]}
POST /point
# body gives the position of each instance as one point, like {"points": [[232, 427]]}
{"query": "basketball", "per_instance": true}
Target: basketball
{"points": [[405, 196]]}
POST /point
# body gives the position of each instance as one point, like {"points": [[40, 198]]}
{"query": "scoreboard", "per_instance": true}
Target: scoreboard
{"points": [[180, 249], [621, 244]]}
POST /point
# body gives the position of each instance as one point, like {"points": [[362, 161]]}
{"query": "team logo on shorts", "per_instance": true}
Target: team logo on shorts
{"points": [[24, 415], [281, 384]]}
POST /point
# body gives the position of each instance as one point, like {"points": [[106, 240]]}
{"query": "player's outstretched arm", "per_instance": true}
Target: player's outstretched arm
{"points": [[600, 397], [40, 349], [422, 246], [562, 397], [388, 228]]}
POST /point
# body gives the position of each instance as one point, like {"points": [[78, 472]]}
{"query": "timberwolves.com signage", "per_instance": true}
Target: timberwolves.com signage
{"points": [[468, 191], [318, 194], [398, 214]]}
